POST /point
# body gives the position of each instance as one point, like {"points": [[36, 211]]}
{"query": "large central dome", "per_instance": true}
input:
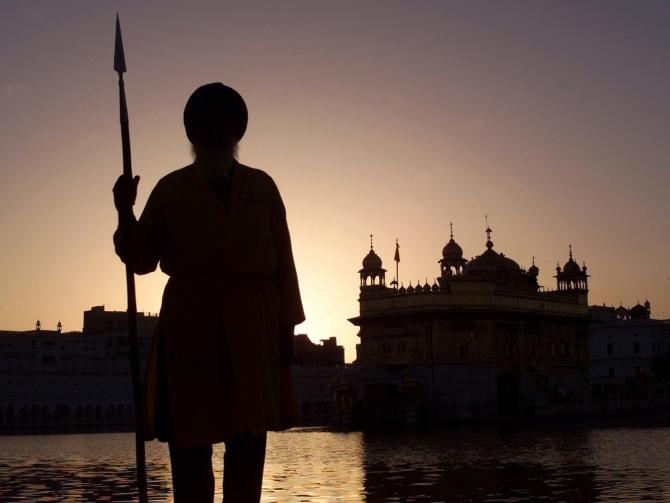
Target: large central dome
{"points": [[492, 263]]}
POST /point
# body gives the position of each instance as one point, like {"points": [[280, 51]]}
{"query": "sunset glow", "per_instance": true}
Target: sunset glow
{"points": [[390, 118]]}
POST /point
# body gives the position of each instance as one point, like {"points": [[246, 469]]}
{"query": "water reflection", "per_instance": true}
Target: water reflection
{"points": [[479, 465], [632, 464], [311, 465], [76, 468]]}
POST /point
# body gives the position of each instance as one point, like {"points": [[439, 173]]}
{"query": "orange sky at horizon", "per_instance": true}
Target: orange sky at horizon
{"points": [[380, 118]]}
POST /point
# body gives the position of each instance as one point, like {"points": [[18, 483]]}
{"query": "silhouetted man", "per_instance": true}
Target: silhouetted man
{"points": [[218, 366]]}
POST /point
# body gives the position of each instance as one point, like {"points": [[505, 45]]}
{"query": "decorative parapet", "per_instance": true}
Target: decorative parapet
{"points": [[483, 299]]}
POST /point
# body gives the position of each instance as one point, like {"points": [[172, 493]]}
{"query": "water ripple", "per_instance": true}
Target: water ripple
{"points": [[312, 465]]}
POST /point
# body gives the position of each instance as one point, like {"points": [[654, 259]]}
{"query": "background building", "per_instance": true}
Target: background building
{"points": [[624, 346], [317, 367], [80, 381], [50, 379]]}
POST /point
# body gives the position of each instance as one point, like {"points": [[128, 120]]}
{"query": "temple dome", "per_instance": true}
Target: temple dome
{"points": [[372, 275], [571, 267], [372, 261], [638, 312], [622, 313], [533, 270], [493, 263], [452, 250]]}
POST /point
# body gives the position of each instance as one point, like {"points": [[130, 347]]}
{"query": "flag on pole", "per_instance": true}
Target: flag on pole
{"points": [[397, 251]]}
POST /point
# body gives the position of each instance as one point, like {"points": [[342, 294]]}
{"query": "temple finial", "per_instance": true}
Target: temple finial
{"points": [[489, 243], [570, 247], [371, 241], [451, 230]]}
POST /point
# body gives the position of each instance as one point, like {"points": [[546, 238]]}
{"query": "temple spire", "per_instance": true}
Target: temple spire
{"points": [[489, 243]]}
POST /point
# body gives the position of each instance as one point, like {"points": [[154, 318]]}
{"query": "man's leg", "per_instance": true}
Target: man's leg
{"points": [[243, 464], [192, 475]]}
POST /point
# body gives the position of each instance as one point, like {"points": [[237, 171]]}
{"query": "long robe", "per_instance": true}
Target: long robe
{"points": [[213, 367]]}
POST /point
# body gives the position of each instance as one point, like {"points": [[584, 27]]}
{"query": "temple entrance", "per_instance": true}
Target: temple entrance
{"points": [[382, 406], [509, 394]]}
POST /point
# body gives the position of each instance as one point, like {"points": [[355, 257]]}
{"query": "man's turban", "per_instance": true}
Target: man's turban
{"points": [[215, 114]]}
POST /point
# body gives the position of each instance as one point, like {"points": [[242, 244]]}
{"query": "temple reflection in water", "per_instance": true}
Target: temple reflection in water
{"points": [[483, 339]]}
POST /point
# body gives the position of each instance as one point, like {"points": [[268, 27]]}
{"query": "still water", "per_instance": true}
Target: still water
{"points": [[312, 465]]}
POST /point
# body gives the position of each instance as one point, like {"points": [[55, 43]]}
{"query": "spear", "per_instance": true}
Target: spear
{"points": [[140, 461]]}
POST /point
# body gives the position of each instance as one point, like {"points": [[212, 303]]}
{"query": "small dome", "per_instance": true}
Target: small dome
{"points": [[452, 250], [621, 312], [372, 261], [533, 270], [571, 267], [436, 287], [402, 290], [638, 312], [410, 288]]}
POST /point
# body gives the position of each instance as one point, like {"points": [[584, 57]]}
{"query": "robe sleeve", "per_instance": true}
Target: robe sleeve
{"points": [[291, 310], [145, 236]]}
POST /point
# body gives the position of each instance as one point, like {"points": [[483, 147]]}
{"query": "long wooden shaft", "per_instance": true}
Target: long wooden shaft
{"points": [[125, 131], [133, 345]]}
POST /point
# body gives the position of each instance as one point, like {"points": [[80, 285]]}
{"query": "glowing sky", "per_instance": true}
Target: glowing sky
{"points": [[392, 118]]}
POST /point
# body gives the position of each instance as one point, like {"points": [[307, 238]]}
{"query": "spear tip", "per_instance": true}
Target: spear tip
{"points": [[119, 56]]}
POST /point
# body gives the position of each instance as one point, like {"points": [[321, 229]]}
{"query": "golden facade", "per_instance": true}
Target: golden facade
{"points": [[484, 338]]}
